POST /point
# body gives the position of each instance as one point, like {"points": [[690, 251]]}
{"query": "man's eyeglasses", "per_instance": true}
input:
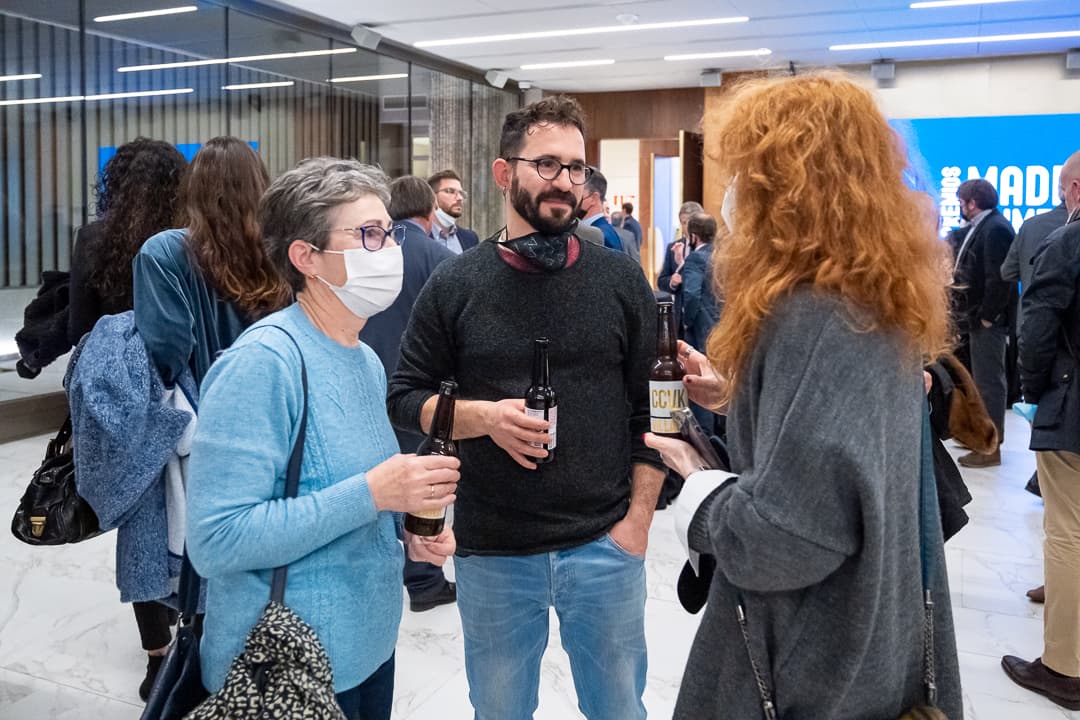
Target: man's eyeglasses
{"points": [[549, 169], [454, 191], [374, 237]]}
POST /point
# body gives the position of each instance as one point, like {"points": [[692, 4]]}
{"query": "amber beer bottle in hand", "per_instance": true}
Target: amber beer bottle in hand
{"points": [[666, 391], [540, 400], [440, 441]]}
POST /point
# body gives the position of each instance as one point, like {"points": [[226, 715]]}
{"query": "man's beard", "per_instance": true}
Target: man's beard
{"points": [[454, 211], [529, 209]]}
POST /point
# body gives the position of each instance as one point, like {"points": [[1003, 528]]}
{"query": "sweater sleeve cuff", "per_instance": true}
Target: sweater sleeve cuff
{"points": [[691, 510], [351, 502]]}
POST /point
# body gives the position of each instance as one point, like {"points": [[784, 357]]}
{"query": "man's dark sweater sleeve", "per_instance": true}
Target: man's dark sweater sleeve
{"points": [[995, 250], [427, 355], [641, 333]]}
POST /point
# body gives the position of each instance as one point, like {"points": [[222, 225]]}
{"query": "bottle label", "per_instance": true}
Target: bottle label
{"points": [[553, 418], [438, 514], [665, 396]]}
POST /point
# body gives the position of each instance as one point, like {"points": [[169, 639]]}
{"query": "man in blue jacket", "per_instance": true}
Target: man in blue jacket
{"points": [[591, 210], [412, 204], [1049, 339], [450, 200]]}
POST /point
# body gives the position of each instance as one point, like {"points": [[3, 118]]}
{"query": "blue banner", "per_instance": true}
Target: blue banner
{"points": [[1020, 155], [188, 150]]}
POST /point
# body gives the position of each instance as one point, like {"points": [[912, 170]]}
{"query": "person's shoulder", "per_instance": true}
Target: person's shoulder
{"points": [[166, 245], [997, 223], [279, 334], [454, 272]]}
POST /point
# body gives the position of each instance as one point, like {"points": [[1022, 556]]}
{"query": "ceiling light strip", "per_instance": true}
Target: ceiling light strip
{"points": [[570, 32], [92, 98], [246, 58], [365, 78], [26, 76], [570, 64], [145, 14], [958, 40], [955, 3], [729, 54], [256, 86]]}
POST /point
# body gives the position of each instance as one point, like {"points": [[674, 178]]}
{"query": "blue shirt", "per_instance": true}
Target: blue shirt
{"points": [[344, 557], [611, 238]]}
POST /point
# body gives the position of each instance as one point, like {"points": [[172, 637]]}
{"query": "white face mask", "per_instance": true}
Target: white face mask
{"points": [[727, 209], [372, 279], [445, 219]]}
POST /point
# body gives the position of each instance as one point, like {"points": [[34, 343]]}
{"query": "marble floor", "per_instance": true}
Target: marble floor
{"points": [[69, 649]]}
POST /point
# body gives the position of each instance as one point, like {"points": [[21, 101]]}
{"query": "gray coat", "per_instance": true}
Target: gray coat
{"points": [[819, 536]]}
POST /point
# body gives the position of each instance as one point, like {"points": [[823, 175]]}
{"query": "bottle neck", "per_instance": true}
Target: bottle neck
{"points": [[541, 371], [442, 427], [667, 342]]}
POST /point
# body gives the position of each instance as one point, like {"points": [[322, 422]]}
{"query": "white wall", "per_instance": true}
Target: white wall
{"points": [[1035, 85], [619, 160]]}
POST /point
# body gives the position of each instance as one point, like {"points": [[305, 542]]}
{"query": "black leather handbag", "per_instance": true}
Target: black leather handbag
{"points": [[51, 512]]}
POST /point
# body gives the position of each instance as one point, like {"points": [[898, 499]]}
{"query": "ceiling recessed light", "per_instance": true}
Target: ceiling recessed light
{"points": [[365, 78], [27, 76], [246, 58], [570, 32], [729, 54], [90, 98], [958, 40], [256, 86], [145, 14], [572, 63], [955, 3]]}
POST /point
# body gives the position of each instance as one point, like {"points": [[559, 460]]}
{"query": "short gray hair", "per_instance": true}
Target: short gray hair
{"points": [[299, 203], [690, 208]]}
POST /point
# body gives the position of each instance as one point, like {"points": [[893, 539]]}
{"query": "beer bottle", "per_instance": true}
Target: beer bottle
{"points": [[540, 400], [440, 441], [666, 391]]}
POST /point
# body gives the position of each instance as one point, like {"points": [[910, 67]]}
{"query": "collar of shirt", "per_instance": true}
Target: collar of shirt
{"points": [[592, 219]]}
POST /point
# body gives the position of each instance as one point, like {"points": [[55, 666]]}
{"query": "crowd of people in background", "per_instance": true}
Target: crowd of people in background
{"points": [[301, 327]]}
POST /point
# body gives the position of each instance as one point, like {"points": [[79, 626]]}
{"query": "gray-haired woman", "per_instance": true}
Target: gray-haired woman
{"points": [[328, 233]]}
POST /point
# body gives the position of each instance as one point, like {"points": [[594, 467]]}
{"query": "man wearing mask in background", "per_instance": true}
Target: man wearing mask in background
{"points": [[1049, 340], [670, 278], [591, 209], [451, 205], [985, 299], [412, 204], [571, 532]]}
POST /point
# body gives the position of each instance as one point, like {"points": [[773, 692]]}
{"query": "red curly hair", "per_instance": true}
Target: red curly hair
{"points": [[820, 201]]}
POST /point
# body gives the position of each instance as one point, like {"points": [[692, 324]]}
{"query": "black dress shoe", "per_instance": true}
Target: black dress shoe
{"points": [[445, 595], [1034, 676]]}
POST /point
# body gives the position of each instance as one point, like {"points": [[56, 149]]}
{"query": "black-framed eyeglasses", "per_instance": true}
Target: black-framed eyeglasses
{"points": [[374, 237], [549, 169]]}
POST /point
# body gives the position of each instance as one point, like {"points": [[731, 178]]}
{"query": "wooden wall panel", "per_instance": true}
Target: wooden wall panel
{"points": [[715, 101], [642, 114]]}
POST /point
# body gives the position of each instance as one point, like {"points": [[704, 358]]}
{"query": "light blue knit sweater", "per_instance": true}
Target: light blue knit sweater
{"points": [[344, 558]]}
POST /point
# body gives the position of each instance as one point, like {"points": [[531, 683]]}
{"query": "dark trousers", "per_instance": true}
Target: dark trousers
{"points": [[422, 579], [371, 699], [155, 622], [988, 371]]}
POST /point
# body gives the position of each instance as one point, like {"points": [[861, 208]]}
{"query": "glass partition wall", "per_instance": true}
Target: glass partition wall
{"points": [[78, 79]]}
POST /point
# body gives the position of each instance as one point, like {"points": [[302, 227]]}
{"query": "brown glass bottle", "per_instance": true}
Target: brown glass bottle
{"points": [[440, 441], [666, 391], [540, 399]]}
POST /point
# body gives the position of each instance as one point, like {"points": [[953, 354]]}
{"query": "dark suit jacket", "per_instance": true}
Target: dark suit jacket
{"points": [[467, 238], [984, 294], [700, 309], [1020, 262], [383, 331], [663, 281], [630, 223], [1048, 340], [611, 238]]}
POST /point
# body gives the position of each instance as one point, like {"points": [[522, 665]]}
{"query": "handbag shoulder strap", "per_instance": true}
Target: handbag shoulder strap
{"points": [[292, 473]]}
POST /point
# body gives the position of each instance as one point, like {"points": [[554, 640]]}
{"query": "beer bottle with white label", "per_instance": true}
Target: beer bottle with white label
{"points": [[666, 391], [440, 441], [540, 400]]}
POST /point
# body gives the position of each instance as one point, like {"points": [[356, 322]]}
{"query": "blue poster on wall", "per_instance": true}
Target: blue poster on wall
{"points": [[188, 150], [1020, 155]]}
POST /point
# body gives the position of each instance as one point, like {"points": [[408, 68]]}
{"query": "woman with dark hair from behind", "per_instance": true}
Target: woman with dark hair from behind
{"points": [[137, 196], [197, 288]]}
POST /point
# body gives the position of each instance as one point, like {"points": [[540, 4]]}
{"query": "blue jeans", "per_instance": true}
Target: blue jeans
{"points": [[371, 699], [598, 592]]}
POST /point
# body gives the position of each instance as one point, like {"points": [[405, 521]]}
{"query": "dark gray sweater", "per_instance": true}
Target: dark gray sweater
{"points": [[475, 322], [820, 535]]}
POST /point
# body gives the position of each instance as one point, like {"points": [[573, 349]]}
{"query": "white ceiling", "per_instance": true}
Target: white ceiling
{"points": [[798, 31]]}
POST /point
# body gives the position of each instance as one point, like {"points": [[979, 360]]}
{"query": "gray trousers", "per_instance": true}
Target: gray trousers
{"points": [[988, 370]]}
